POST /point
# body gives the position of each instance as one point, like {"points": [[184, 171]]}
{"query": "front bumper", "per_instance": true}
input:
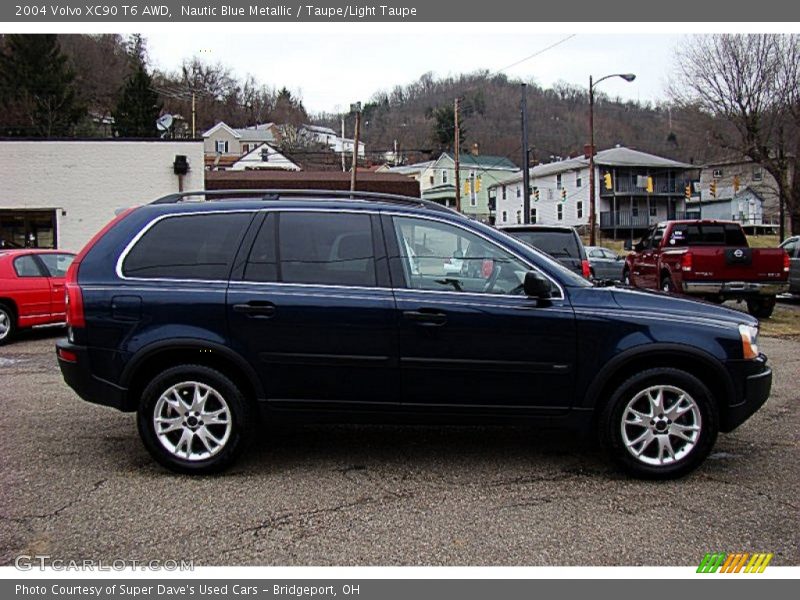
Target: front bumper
{"points": [[752, 383], [735, 288], [78, 375]]}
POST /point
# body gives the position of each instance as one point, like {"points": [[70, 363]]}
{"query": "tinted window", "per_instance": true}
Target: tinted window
{"points": [[57, 264], [707, 234], [556, 243], [26, 266], [188, 247], [326, 248], [262, 264]]}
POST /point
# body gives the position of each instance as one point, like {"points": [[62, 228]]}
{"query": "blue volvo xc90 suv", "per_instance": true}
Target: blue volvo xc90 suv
{"points": [[211, 313]]}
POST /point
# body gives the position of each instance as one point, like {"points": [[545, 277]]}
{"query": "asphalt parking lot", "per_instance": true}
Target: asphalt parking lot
{"points": [[76, 483]]}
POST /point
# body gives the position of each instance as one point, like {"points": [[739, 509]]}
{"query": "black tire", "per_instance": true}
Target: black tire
{"points": [[225, 394], [761, 308], [667, 285], [687, 457], [8, 323]]}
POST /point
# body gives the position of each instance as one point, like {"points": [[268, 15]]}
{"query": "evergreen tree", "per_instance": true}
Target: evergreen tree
{"points": [[444, 127], [37, 92], [138, 107]]}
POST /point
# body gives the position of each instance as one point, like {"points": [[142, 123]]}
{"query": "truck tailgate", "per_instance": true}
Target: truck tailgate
{"points": [[716, 263]]}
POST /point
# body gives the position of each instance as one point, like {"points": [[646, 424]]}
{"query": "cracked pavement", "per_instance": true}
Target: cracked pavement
{"points": [[76, 483]]}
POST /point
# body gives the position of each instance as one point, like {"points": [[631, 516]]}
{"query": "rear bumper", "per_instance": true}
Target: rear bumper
{"points": [[77, 374], [752, 382], [735, 288]]}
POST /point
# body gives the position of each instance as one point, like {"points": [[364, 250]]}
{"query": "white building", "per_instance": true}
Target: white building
{"points": [[644, 189], [227, 141], [264, 156], [334, 141], [57, 194]]}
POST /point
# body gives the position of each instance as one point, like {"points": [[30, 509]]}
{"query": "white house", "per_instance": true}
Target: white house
{"points": [[328, 137], [226, 141], [58, 194], [264, 156], [633, 190]]}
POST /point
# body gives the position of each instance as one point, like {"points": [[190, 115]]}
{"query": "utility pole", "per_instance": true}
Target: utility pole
{"points": [[526, 176], [457, 145], [344, 160], [396, 158], [354, 172], [194, 115], [592, 238]]}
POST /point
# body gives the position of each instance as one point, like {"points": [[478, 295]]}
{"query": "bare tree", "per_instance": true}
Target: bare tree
{"points": [[752, 83]]}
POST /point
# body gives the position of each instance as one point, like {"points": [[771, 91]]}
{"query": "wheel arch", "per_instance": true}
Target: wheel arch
{"points": [[709, 370], [160, 356]]}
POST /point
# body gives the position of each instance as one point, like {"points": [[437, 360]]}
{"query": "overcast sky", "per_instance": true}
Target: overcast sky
{"points": [[331, 70]]}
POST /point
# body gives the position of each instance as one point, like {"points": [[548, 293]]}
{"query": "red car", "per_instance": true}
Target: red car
{"points": [[31, 289]]}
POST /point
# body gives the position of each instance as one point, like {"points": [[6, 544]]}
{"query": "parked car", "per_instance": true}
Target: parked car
{"points": [[31, 289], [792, 248], [208, 318], [561, 242], [709, 259], [605, 264]]}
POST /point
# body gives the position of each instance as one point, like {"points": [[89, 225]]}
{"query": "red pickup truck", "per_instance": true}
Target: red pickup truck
{"points": [[709, 259]]}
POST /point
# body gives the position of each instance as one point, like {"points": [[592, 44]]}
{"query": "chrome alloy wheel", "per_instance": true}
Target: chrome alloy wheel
{"points": [[192, 421], [5, 324], [661, 425]]}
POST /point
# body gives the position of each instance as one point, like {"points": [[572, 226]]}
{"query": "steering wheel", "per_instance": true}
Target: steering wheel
{"points": [[492, 281]]}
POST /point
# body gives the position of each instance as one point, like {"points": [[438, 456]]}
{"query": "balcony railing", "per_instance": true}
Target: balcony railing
{"points": [[628, 220], [630, 186]]}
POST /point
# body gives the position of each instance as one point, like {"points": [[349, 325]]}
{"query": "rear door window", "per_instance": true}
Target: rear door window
{"points": [[321, 248], [193, 247], [56, 264]]}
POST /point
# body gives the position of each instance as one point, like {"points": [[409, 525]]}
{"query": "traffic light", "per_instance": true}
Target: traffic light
{"points": [[607, 179], [649, 185], [735, 184], [535, 194], [466, 186], [713, 189], [477, 184], [563, 194], [687, 191]]}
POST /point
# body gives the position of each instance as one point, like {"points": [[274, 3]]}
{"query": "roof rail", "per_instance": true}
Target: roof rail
{"points": [[280, 194]]}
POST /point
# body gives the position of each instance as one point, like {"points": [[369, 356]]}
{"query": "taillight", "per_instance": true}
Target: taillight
{"points": [[74, 295], [686, 262], [786, 262], [74, 298], [587, 271]]}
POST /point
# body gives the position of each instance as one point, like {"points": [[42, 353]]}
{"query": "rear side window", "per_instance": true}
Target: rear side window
{"points": [[188, 247], [57, 264], [559, 244], [26, 266], [314, 248]]}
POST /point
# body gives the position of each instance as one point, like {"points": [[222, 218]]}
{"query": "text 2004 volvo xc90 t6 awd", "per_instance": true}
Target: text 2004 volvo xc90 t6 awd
{"points": [[211, 317]]}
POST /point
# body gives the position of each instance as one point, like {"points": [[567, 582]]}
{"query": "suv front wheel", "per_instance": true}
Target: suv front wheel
{"points": [[194, 419], [660, 424]]}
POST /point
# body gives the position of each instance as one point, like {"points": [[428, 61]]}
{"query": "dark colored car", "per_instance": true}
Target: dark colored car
{"points": [[208, 318], [31, 289], [604, 263], [561, 242], [792, 248]]}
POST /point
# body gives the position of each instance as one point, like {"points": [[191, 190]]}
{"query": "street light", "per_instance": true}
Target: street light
{"points": [[627, 77]]}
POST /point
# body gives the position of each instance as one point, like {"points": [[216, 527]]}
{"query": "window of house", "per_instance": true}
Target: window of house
{"points": [[188, 247], [558, 181], [758, 174], [222, 146], [653, 211], [504, 192], [560, 212], [533, 215], [717, 173], [245, 148], [431, 179], [519, 191], [549, 193], [519, 216], [578, 181], [505, 216], [579, 209], [444, 175], [635, 210]]}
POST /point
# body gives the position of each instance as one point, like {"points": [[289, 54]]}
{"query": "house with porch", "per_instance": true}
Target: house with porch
{"points": [[633, 190], [477, 174]]}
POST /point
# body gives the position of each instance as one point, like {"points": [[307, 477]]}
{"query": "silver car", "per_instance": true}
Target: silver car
{"points": [[792, 247], [605, 264]]}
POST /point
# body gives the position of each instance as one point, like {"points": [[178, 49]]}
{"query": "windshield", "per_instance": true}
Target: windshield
{"points": [[559, 244]]}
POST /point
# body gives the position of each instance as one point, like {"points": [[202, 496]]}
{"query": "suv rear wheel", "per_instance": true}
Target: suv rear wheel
{"points": [[7, 324], [660, 424], [193, 419]]}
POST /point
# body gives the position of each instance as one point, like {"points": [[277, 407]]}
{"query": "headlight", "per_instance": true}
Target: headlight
{"points": [[749, 335]]}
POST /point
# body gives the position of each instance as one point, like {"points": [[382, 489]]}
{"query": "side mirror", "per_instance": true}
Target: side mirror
{"points": [[628, 245], [536, 286]]}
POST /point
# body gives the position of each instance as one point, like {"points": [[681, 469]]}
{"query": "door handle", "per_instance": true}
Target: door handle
{"points": [[425, 318], [256, 310]]}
